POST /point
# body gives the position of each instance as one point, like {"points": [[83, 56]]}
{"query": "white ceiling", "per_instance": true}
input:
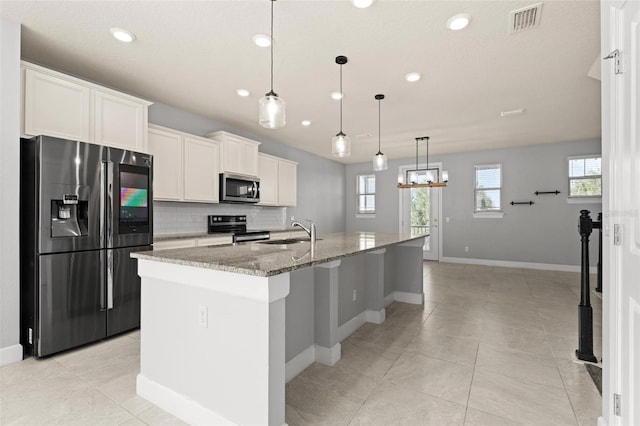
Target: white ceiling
{"points": [[195, 54]]}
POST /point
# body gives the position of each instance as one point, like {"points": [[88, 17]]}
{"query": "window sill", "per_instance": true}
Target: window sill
{"points": [[488, 215], [584, 200], [365, 215]]}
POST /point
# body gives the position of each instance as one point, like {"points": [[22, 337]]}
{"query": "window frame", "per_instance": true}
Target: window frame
{"points": [[359, 212], [570, 178], [497, 213]]}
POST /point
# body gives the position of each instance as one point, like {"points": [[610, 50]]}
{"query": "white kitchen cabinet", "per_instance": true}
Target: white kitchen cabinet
{"points": [[277, 181], [214, 241], [120, 121], [201, 169], [238, 154], [268, 174], [56, 107], [287, 183], [168, 176], [56, 104], [186, 167]]}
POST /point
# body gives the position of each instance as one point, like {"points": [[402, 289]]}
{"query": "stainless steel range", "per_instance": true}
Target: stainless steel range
{"points": [[235, 225]]}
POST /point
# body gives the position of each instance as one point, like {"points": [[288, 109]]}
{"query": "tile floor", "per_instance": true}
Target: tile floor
{"points": [[490, 346]]}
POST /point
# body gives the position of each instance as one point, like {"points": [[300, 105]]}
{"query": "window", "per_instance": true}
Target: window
{"points": [[488, 188], [366, 194], [585, 176]]}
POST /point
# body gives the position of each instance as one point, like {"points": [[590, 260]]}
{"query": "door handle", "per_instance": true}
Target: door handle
{"points": [[109, 279]]}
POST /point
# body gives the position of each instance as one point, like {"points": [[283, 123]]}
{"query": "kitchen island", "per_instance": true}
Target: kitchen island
{"points": [[224, 327]]}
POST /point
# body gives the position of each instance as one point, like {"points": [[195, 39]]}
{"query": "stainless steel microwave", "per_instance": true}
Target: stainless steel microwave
{"points": [[239, 188]]}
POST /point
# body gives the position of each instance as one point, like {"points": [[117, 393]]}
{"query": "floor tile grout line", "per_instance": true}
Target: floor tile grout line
{"points": [[473, 373]]}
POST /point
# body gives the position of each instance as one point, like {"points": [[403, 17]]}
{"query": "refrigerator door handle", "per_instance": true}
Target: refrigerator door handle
{"points": [[109, 200], [109, 279], [103, 287]]}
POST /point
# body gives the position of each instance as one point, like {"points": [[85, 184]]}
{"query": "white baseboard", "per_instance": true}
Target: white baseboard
{"points": [[328, 356], [413, 298], [388, 299], [376, 317], [10, 354], [346, 329], [511, 264], [301, 361], [180, 406]]}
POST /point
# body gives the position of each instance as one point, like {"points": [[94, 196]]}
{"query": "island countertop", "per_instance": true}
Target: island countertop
{"points": [[265, 260]]}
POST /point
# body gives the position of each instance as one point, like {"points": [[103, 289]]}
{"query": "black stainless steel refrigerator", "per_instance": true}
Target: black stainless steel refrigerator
{"points": [[84, 208]]}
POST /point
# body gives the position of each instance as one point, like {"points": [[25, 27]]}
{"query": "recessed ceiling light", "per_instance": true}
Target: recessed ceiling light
{"points": [[336, 95], [512, 112], [306, 123], [459, 21], [261, 40], [243, 92], [122, 35], [362, 4], [413, 76]]}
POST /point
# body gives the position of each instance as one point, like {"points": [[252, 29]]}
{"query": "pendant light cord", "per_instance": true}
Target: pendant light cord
{"points": [[272, 1], [379, 151], [341, 97]]}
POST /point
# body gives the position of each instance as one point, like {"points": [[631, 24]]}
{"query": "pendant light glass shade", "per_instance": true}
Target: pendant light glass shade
{"points": [[271, 111], [271, 108], [341, 143], [379, 160]]}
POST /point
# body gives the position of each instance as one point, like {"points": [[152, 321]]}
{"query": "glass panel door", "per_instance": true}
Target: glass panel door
{"points": [[419, 212]]}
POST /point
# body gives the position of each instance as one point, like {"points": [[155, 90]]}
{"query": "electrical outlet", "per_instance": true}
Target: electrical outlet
{"points": [[355, 295], [293, 218], [203, 316], [446, 219], [466, 249]]}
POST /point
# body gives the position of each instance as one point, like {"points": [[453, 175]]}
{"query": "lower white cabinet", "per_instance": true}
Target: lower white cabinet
{"points": [[192, 242], [277, 181], [186, 167]]}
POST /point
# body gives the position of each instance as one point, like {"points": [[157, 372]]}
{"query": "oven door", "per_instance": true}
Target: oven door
{"points": [[239, 189]]}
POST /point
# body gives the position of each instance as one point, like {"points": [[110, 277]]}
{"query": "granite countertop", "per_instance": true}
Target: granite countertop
{"points": [[265, 260]]}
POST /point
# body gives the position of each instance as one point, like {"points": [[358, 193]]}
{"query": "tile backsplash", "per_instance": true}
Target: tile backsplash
{"points": [[186, 218]]}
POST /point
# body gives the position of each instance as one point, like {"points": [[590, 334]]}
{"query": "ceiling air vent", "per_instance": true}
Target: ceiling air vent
{"points": [[525, 18]]}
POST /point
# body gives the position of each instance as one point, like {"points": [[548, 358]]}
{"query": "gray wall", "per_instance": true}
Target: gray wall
{"points": [[9, 188], [543, 233], [321, 181], [299, 313]]}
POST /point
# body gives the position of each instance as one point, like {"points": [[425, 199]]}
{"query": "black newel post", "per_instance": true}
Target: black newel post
{"points": [[599, 226], [585, 313]]}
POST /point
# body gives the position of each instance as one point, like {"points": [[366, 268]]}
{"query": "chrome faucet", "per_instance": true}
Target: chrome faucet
{"points": [[311, 230]]}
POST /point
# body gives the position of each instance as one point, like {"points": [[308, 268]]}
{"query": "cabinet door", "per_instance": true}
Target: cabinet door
{"points": [[268, 174], [174, 244], [119, 122], [166, 149], [287, 188], [201, 171], [250, 159], [232, 154], [55, 107]]}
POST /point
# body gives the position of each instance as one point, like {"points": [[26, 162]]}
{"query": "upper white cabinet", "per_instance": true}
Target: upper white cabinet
{"points": [[119, 121], [277, 181], [287, 187], [238, 155], [55, 107], [186, 167], [56, 104], [201, 169], [167, 149]]}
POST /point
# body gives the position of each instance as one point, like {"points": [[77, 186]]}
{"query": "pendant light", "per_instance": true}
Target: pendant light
{"points": [[271, 108], [379, 160], [432, 182], [341, 144]]}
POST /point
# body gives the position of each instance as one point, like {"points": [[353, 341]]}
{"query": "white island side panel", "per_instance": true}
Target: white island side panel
{"points": [[228, 370]]}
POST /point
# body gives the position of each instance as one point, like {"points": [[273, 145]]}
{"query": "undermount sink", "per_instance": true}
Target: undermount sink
{"points": [[288, 241]]}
